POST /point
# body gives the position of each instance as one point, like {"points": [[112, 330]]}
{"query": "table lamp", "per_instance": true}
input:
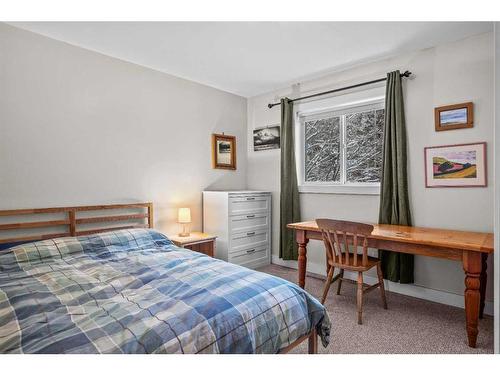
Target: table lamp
{"points": [[184, 218]]}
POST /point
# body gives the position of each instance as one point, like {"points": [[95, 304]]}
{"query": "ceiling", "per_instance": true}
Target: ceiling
{"points": [[250, 58]]}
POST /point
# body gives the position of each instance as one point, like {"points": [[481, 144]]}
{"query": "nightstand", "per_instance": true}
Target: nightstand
{"points": [[197, 241]]}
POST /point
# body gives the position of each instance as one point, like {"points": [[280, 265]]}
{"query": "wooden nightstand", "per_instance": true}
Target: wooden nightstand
{"points": [[197, 241]]}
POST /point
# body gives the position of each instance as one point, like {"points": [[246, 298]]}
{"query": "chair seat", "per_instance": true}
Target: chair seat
{"points": [[372, 262], [340, 238]]}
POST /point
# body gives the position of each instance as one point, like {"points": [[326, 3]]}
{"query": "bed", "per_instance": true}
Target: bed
{"points": [[130, 290]]}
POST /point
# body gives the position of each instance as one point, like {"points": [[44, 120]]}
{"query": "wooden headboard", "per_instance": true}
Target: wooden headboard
{"points": [[72, 219]]}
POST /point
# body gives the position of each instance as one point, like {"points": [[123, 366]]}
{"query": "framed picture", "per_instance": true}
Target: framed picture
{"points": [[456, 116], [223, 151], [456, 165], [266, 138]]}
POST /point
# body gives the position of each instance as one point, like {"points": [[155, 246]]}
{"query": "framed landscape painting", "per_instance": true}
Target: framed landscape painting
{"points": [[456, 165], [456, 116], [266, 138], [223, 151]]}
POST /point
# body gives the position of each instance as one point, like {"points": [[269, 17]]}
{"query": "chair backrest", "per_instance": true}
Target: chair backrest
{"points": [[338, 235]]}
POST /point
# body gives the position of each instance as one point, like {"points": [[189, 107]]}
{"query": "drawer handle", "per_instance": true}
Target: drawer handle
{"points": [[250, 199], [250, 251], [250, 216], [250, 233]]}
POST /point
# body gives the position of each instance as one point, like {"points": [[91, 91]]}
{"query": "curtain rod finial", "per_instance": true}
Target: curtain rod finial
{"points": [[406, 73], [270, 105]]}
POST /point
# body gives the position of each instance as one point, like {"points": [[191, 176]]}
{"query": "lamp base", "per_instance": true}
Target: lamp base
{"points": [[183, 234]]}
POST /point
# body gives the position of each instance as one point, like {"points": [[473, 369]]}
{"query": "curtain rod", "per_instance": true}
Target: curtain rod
{"points": [[405, 74]]}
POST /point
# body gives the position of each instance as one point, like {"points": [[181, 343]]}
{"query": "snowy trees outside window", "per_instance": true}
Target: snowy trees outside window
{"points": [[344, 147], [364, 137], [322, 149]]}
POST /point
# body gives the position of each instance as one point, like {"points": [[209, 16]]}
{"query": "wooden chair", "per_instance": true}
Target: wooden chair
{"points": [[338, 237]]}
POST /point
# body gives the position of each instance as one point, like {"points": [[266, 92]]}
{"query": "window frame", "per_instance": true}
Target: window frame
{"points": [[371, 100]]}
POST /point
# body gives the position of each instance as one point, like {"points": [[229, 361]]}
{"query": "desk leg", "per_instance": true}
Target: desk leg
{"points": [[484, 277], [472, 268], [302, 242]]}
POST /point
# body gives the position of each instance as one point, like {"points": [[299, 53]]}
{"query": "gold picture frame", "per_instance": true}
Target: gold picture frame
{"points": [[223, 151]]}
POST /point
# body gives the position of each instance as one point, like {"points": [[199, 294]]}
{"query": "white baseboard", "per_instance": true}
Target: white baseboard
{"points": [[411, 290]]}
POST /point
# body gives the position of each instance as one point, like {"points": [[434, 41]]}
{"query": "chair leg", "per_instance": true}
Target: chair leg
{"points": [[382, 288], [327, 285], [360, 297], [339, 285]]}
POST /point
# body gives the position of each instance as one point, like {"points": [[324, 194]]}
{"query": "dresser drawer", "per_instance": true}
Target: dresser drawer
{"points": [[254, 254], [251, 204], [249, 222], [244, 240]]}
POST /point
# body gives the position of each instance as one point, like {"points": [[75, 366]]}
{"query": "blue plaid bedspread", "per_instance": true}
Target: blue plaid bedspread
{"points": [[133, 291]]}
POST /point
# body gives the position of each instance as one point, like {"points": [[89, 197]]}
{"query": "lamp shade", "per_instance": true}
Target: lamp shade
{"points": [[184, 215]]}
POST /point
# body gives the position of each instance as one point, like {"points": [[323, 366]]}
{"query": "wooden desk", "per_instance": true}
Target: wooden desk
{"points": [[470, 248]]}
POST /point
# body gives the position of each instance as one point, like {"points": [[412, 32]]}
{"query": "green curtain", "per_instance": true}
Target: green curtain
{"points": [[289, 196], [394, 201]]}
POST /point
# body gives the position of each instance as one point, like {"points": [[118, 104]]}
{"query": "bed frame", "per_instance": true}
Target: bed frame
{"points": [[312, 343], [72, 218], [71, 221]]}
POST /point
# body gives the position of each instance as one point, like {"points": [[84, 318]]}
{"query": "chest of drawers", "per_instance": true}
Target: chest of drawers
{"points": [[241, 220]]}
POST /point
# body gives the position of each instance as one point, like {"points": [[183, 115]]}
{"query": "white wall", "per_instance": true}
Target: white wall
{"points": [[78, 127], [497, 187], [448, 74]]}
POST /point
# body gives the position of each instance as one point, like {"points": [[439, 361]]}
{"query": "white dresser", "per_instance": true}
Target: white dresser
{"points": [[241, 220]]}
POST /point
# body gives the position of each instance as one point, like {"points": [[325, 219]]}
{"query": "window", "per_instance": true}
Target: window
{"points": [[341, 149]]}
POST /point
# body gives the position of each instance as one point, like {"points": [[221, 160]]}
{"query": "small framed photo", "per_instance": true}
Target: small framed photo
{"points": [[266, 138], [456, 116], [456, 165], [223, 151]]}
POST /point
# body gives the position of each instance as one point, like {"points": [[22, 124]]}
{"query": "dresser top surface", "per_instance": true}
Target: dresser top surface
{"points": [[238, 191]]}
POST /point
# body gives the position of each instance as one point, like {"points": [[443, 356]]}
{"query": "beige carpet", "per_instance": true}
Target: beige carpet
{"points": [[411, 325]]}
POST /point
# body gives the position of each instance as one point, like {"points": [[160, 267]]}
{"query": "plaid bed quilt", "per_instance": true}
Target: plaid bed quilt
{"points": [[133, 291]]}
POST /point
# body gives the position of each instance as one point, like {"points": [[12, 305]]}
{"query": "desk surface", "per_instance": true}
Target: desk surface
{"points": [[453, 239]]}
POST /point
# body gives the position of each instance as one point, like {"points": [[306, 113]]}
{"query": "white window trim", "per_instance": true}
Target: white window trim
{"points": [[335, 104], [351, 189]]}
